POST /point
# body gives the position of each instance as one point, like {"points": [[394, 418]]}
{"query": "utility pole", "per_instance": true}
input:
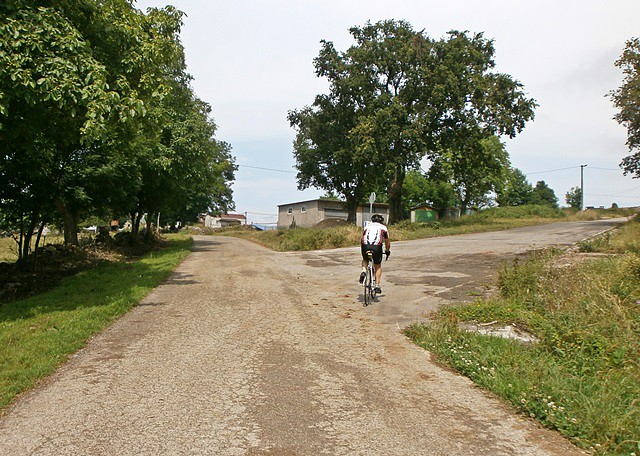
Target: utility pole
{"points": [[582, 167]]}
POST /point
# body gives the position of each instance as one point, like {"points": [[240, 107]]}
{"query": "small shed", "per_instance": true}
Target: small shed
{"points": [[224, 220], [310, 213], [423, 213]]}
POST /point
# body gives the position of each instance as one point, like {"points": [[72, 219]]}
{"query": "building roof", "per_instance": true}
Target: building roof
{"points": [[232, 217], [329, 200], [423, 206], [311, 201]]}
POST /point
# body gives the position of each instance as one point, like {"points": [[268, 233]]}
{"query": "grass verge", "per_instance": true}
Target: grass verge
{"points": [[38, 334], [583, 376], [300, 239], [495, 219]]}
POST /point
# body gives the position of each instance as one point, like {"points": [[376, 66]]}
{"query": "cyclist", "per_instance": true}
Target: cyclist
{"points": [[373, 236]]}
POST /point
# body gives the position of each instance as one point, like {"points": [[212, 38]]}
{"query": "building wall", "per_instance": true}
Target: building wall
{"points": [[306, 214], [219, 222], [309, 213], [364, 214]]}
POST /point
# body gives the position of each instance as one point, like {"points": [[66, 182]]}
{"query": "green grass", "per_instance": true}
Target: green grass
{"points": [[583, 377], [494, 219], [303, 238], [300, 239], [625, 240], [39, 333]]}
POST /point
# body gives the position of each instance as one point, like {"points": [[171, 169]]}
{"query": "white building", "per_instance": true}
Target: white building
{"points": [[223, 220]]}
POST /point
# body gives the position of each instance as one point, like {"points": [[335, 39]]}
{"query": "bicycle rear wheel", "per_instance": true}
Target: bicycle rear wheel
{"points": [[367, 288]]}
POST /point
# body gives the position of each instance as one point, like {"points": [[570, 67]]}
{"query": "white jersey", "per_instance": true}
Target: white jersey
{"points": [[374, 234]]}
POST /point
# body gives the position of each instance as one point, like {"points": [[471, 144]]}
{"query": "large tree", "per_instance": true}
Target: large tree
{"points": [[419, 188], [544, 195], [516, 190], [475, 169], [97, 117], [187, 172], [328, 153], [404, 96], [54, 98], [627, 100], [574, 198]]}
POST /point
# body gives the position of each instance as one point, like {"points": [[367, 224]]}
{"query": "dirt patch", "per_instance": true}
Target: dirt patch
{"points": [[54, 262]]}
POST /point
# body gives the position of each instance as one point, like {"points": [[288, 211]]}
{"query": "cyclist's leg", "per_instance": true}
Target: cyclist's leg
{"points": [[377, 265], [363, 251], [364, 248]]}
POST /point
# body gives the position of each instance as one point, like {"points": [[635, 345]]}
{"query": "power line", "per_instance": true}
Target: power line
{"points": [[553, 170], [616, 195], [259, 213], [606, 169], [625, 191], [267, 169], [573, 167]]}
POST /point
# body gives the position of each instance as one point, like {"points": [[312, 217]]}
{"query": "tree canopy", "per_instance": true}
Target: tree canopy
{"points": [[574, 198], [97, 117], [476, 169], [627, 100], [544, 195], [395, 97], [419, 188], [516, 190]]}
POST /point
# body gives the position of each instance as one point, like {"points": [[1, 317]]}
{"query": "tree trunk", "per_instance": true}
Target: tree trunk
{"points": [[133, 222], [148, 235], [70, 228], [352, 210], [70, 223], [394, 194], [464, 205], [35, 247], [25, 239], [136, 218], [23, 247]]}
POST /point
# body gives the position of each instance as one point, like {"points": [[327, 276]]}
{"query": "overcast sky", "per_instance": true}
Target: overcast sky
{"points": [[252, 61]]}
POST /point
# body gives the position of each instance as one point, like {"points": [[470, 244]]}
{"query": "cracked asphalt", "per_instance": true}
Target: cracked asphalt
{"points": [[244, 351]]}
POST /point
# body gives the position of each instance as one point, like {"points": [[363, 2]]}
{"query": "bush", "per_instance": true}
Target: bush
{"points": [[518, 212]]}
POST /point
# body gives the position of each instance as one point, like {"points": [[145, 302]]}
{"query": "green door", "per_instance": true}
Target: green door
{"points": [[423, 215]]}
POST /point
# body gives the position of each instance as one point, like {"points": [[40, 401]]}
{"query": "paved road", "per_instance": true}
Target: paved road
{"points": [[248, 352]]}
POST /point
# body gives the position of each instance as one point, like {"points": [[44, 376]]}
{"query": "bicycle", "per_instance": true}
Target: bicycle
{"points": [[369, 282]]}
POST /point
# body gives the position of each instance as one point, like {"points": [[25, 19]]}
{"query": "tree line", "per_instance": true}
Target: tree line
{"points": [[398, 98], [97, 118]]}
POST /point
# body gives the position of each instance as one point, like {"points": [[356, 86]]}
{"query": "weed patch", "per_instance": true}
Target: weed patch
{"points": [[583, 377], [343, 235]]}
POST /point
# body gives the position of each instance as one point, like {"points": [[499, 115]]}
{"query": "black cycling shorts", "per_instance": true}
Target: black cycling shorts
{"points": [[376, 249]]}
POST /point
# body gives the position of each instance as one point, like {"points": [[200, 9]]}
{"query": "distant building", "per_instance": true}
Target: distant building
{"points": [[423, 213], [309, 213], [223, 220]]}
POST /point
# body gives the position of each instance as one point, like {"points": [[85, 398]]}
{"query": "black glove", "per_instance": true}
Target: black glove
{"points": [[387, 253]]}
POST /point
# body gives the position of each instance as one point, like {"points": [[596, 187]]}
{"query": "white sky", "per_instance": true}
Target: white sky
{"points": [[252, 60]]}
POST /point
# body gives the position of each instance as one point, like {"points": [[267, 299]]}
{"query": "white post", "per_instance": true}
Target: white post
{"points": [[372, 199]]}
